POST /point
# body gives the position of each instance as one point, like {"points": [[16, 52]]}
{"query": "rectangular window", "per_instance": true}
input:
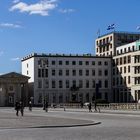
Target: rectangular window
{"points": [[128, 69], [60, 84], [93, 72], [53, 84], [128, 79], [60, 62], [87, 72], [53, 62], [124, 69], [73, 62], [93, 84], [87, 83], [74, 72], [99, 63], [67, 62], [53, 72], [39, 72], [106, 84], [87, 62], [67, 72], [46, 72], [80, 62], [80, 84], [60, 72], [100, 83], [46, 84], [105, 63], [100, 72], [67, 84], [93, 62], [80, 72], [106, 72]]}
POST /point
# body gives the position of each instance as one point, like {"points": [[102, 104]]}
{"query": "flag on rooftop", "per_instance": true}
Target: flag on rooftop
{"points": [[110, 27]]}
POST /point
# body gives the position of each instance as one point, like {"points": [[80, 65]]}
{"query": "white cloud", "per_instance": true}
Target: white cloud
{"points": [[15, 59], [66, 10], [41, 8], [10, 25], [16, 1]]}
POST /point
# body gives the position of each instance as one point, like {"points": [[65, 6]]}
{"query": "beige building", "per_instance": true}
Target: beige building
{"points": [[106, 44], [13, 86]]}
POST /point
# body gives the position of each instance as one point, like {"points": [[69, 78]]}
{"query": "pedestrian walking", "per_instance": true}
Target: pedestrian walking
{"points": [[46, 106], [89, 107], [21, 108], [30, 105], [17, 107]]}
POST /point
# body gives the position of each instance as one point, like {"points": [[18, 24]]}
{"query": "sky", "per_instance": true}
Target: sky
{"points": [[59, 26]]}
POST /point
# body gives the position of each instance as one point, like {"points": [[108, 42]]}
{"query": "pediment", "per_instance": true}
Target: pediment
{"points": [[14, 75]]}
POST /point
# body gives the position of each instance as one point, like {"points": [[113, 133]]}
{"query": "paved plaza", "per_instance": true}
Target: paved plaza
{"points": [[72, 124]]}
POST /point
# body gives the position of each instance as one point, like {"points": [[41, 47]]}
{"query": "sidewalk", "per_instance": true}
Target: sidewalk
{"points": [[130, 112]]}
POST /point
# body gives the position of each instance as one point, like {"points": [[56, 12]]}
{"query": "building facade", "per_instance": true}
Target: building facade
{"points": [[124, 48], [106, 44], [68, 78], [13, 86]]}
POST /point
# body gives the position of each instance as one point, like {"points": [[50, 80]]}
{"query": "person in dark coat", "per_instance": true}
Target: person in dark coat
{"points": [[21, 108], [17, 107], [30, 105], [89, 107]]}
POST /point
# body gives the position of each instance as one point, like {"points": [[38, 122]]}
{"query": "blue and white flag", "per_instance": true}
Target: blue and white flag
{"points": [[110, 27]]}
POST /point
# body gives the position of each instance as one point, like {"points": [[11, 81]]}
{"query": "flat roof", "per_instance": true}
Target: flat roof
{"points": [[119, 32], [63, 55]]}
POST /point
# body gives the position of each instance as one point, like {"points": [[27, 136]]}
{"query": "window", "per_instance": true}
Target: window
{"points": [[124, 60], [53, 84], [53, 72], [106, 72], [99, 63], [39, 72], [74, 83], [87, 83], [121, 61], [100, 72], [80, 62], [73, 62], [27, 72], [93, 72], [80, 72], [60, 84], [67, 84], [60, 62], [42, 72], [106, 84], [105, 63], [120, 70], [100, 83], [80, 84], [53, 62], [93, 62], [87, 72], [11, 88], [129, 59], [67, 72], [124, 69], [67, 62], [93, 84], [87, 62], [128, 69], [74, 72], [60, 72], [46, 72], [27, 65]]}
